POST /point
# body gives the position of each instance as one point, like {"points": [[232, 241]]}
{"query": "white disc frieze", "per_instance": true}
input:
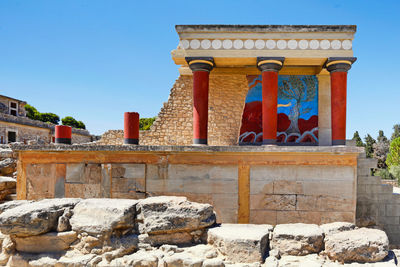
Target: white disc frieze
{"points": [[185, 44], [227, 44], [336, 44], [249, 44], [238, 44], [303, 44], [260, 44], [346, 44], [205, 44], [271, 44], [314, 44], [325, 44], [281, 44], [292, 44], [216, 44], [195, 44]]}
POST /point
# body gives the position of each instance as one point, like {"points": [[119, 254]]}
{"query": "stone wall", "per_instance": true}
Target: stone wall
{"points": [[174, 123], [244, 184]]}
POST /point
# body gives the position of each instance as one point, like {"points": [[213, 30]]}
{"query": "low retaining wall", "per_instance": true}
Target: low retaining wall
{"points": [[270, 185]]}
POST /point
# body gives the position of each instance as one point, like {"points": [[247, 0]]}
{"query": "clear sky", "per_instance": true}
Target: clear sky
{"points": [[94, 60]]}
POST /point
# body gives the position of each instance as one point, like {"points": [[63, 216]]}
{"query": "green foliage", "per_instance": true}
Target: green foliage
{"points": [[49, 117], [31, 112], [393, 158], [70, 121], [395, 172], [381, 136], [396, 132], [357, 138], [369, 146], [383, 173], [145, 123], [381, 149]]}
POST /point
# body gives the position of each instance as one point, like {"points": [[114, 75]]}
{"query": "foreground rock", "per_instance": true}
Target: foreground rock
{"points": [[7, 186], [7, 166], [241, 242], [34, 218], [297, 239], [49, 242], [361, 245], [173, 220], [104, 216], [336, 227]]}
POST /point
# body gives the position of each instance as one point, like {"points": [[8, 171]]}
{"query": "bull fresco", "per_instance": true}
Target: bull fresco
{"points": [[297, 110]]}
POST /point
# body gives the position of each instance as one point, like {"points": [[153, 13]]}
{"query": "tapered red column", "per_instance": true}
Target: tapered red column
{"points": [[201, 67], [338, 68], [269, 66], [63, 134], [131, 128]]}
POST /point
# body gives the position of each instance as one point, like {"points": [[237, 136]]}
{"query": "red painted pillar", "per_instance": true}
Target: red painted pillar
{"points": [[201, 68], [338, 67], [131, 128], [269, 67], [63, 134]]}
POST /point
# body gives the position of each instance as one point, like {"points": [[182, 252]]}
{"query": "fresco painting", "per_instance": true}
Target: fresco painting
{"points": [[297, 110]]}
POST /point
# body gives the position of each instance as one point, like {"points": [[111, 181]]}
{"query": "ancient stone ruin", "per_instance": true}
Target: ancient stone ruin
{"points": [[172, 232]]}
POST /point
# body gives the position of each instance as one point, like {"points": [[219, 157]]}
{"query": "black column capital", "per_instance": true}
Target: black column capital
{"points": [[342, 64], [270, 63], [200, 63]]}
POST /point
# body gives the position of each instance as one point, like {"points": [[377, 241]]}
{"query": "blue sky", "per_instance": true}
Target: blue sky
{"points": [[95, 59]]}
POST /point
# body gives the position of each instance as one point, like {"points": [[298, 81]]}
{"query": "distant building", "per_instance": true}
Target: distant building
{"points": [[16, 127]]}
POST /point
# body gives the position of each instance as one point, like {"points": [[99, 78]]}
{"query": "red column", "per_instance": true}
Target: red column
{"points": [[131, 128], [338, 67], [201, 68], [63, 134], [269, 67]]}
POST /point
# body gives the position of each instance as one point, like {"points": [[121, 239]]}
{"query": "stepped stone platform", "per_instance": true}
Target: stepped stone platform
{"points": [[171, 232]]}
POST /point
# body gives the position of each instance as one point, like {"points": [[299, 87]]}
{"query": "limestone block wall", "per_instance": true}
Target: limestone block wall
{"points": [[174, 123], [25, 133], [377, 205], [112, 137]]}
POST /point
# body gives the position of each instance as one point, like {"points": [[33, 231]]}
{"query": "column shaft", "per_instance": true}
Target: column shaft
{"points": [[200, 107], [338, 106], [269, 106]]}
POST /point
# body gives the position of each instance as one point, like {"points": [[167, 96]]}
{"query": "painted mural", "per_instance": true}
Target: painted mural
{"points": [[297, 110]]}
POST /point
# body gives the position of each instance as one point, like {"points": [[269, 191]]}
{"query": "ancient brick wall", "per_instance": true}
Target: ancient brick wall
{"points": [[112, 137], [174, 123]]}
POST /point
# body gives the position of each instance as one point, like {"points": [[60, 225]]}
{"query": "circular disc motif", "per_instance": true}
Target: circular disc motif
{"points": [[281, 44], [292, 44], [185, 44], [195, 44], [205, 44], [346, 44], [260, 44], [216, 44], [238, 44], [271, 44], [303, 44], [227, 44], [314, 44], [249, 44], [325, 44], [336, 44]]}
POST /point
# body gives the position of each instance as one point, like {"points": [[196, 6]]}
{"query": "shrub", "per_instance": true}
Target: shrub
{"points": [[145, 123], [70, 121], [383, 173], [393, 158], [49, 117], [395, 172], [31, 112]]}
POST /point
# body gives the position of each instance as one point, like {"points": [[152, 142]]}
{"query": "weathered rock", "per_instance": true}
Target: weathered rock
{"points": [[7, 166], [179, 238], [174, 214], [12, 204], [213, 263], [75, 261], [336, 227], [271, 261], [138, 259], [44, 261], [297, 239], [104, 216], [182, 260], [63, 222], [241, 242], [34, 218], [311, 260], [361, 245], [49, 242], [7, 186]]}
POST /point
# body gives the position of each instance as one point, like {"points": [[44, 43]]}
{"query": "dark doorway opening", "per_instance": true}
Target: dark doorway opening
{"points": [[12, 137]]}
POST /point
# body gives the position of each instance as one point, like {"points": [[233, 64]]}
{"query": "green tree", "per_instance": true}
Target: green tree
{"points": [[396, 132], [395, 172], [381, 149], [393, 158], [49, 117], [145, 123], [70, 121], [31, 112], [369, 146], [357, 138]]}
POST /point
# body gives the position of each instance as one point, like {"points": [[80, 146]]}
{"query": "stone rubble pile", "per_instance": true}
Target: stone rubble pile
{"points": [[172, 232], [8, 173]]}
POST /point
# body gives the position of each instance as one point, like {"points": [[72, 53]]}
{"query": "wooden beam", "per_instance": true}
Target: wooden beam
{"points": [[244, 193]]}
